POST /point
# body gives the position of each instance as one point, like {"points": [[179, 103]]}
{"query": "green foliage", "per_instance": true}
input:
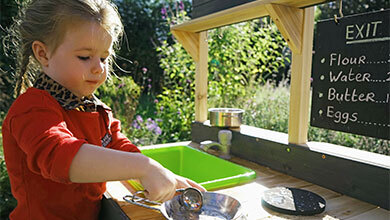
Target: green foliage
{"points": [[121, 94], [241, 55], [145, 27], [7, 201], [266, 106], [176, 113], [8, 9]]}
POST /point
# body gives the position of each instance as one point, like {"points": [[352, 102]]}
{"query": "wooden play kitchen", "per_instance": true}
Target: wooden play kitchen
{"points": [[354, 183]]}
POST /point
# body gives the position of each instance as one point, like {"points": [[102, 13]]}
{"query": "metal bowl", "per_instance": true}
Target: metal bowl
{"points": [[225, 117], [215, 206]]}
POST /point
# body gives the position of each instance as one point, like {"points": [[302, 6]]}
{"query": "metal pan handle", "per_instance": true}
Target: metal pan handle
{"points": [[136, 200]]}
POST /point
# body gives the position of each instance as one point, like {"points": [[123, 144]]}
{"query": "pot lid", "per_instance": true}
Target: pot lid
{"points": [[293, 201]]}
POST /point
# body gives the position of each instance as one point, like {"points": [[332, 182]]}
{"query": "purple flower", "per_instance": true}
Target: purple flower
{"points": [[136, 125], [149, 80], [144, 69], [149, 121], [121, 85], [178, 112], [157, 130], [151, 125], [149, 86], [161, 108], [181, 5], [156, 101], [139, 118], [163, 11], [159, 120]]}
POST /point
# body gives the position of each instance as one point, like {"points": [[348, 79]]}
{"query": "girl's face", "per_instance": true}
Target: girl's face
{"points": [[80, 62]]}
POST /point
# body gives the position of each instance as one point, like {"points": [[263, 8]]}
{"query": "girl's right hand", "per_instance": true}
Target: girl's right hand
{"points": [[159, 182]]}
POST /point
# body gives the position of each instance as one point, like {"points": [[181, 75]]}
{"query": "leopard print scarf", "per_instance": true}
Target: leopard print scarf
{"points": [[65, 97]]}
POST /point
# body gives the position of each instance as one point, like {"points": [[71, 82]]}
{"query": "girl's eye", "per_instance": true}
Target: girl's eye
{"points": [[83, 58]]}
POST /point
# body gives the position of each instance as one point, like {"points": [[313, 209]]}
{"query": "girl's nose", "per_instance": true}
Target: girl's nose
{"points": [[98, 67]]}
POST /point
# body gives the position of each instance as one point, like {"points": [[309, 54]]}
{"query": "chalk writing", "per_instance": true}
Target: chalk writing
{"points": [[351, 75]]}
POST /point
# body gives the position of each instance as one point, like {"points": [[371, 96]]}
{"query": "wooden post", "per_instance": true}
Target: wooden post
{"points": [[201, 79], [196, 45], [300, 83], [297, 25]]}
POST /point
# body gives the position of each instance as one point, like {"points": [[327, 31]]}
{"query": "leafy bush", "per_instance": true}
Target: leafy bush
{"points": [[266, 106], [176, 113], [121, 95], [239, 55], [145, 28]]}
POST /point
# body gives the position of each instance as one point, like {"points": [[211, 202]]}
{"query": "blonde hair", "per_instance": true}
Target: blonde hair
{"points": [[47, 21]]}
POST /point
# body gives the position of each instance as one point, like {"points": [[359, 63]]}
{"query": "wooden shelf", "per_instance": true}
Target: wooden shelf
{"points": [[245, 12]]}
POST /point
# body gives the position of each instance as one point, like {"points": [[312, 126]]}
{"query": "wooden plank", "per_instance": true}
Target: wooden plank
{"points": [[348, 153], [117, 190], [374, 214], [209, 7], [289, 21], [190, 42], [361, 179], [344, 207], [196, 45], [229, 16], [300, 84], [245, 12], [201, 74]]}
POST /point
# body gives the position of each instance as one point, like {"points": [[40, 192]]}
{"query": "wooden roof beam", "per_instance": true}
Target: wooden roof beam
{"points": [[289, 21]]}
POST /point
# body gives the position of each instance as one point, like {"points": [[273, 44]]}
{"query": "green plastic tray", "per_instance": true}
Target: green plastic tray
{"points": [[208, 170]]}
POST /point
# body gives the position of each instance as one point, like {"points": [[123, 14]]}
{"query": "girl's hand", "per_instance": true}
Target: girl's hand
{"points": [[161, 184], [183, 182]]}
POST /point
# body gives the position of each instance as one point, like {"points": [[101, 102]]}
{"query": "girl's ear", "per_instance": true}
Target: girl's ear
{"points": [[41, 54]]}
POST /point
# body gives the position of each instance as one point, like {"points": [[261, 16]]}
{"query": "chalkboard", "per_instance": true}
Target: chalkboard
{"points": [[351, 75]]}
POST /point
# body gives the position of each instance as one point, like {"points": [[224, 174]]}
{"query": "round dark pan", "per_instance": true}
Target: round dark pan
{"points": [[293, 201]]}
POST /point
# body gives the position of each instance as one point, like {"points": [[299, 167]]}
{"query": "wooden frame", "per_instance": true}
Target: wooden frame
{"points": [[296, 26]]}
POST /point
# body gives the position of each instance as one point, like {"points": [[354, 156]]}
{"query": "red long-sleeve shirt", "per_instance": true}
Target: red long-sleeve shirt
{"points": [[40, 140]]}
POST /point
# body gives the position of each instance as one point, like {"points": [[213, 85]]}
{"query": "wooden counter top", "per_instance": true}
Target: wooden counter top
{"points": [[337, 206]]}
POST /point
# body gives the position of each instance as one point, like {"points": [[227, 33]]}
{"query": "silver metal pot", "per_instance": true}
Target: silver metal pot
{"points": [[225, 117], [215, 206]]}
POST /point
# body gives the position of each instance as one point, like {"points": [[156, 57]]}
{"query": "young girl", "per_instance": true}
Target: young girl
{"points": [[60, 142]]}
